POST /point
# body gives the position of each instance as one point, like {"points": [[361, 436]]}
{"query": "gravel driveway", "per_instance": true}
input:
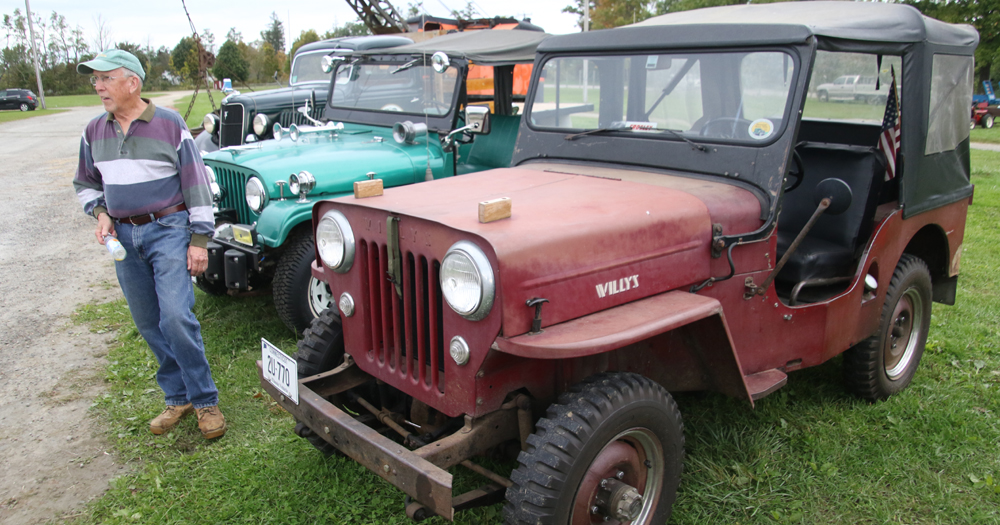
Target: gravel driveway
{"points": [[53, 457]]}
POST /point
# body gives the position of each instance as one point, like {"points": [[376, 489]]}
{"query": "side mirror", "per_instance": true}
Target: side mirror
{"points": [[477, 119], [440, 62], [329, 62]]}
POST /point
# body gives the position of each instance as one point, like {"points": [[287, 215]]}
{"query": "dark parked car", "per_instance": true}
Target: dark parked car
{"points": [[248, 117], [22, 99]]}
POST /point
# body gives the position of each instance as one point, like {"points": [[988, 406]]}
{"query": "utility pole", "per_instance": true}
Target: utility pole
{"points": [[34, 54], [586, 27]]}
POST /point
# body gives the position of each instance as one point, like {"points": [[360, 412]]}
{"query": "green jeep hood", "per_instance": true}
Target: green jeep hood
{"points": [[337, 161]]}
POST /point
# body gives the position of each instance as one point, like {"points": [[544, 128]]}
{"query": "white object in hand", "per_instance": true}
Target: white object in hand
{"points": [[115, 248]]}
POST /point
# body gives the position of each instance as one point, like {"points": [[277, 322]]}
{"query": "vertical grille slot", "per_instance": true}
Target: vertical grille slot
{"points": [[406, 332]]}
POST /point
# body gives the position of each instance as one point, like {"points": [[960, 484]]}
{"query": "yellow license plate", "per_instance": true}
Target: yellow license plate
{"points": [[242, 235]]}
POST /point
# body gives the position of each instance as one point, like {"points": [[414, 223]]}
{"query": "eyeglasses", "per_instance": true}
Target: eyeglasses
{"points": [[103, 79]]}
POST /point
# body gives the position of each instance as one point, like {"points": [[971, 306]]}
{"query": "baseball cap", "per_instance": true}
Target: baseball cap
{"points": [[112, 59]]}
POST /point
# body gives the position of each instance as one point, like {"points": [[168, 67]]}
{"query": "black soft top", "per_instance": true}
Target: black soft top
{"points": [[874, 26], [483, 47]]}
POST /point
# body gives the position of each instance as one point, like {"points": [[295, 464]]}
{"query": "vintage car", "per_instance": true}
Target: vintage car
{"points": [[249, 117], [699, 228], [394, 114]]}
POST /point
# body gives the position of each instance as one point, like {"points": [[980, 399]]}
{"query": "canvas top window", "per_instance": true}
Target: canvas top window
{"points": [[398, 85], [740, 97]]}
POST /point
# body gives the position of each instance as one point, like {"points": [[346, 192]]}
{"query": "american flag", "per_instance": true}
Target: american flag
{"points": [[888, 141]]}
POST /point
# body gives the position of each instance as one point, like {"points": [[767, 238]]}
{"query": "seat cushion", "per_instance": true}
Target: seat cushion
{"points": [[815, 258]]}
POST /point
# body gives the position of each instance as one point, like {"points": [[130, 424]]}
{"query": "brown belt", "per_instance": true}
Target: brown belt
{"points": [[150, 217]]}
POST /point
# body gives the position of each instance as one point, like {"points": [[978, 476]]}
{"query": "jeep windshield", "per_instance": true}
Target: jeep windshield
{"points": [[394, 85], [308, 67], [740, 97]]}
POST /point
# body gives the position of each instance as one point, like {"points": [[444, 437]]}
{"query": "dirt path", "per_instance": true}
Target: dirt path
{"points": [[53, 457]]}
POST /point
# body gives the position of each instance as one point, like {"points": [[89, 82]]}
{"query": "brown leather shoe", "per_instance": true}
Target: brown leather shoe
{"points": [[166, 421], [211, 422]]}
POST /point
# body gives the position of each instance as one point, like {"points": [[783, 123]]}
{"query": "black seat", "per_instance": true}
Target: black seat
{"points": [[835, 242]]}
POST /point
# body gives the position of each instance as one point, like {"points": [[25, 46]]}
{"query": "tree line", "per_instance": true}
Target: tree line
{"points": [[61, 46]]}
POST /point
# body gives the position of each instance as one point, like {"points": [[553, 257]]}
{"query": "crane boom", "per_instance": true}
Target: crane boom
{"points": [[379, 15]]}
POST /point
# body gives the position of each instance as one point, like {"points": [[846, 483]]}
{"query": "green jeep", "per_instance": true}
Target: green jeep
{"points": [[392, 114]]}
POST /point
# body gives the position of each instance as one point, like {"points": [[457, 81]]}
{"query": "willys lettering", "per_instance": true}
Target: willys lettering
{"points": [[619, 286]]}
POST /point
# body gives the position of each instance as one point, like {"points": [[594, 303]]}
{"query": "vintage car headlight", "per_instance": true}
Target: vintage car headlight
{"points": [[467, 281], [213, 184], [256, 194], [261, 124], [335, 241], [210, 122]]}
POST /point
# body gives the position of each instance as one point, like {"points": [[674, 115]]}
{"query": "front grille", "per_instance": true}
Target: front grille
{"points": [[406, 332], [233, 126], [287, 117], [233, 182]]}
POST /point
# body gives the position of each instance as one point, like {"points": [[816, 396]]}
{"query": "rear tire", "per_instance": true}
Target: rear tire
{"points": [[25, 106], [884, 364], [611, 423], [321, 349], [298, 296]]}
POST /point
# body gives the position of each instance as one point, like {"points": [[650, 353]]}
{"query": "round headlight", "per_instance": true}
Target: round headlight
{"points": [[459, 350], [256, 194], [467, 281], [209, 122], [261, 124], [335, 241]]}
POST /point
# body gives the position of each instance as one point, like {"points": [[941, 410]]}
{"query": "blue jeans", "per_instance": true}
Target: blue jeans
{"points": [[157, 286]]}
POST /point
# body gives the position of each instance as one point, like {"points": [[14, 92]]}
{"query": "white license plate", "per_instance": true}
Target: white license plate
{"points": [[280, 370]]}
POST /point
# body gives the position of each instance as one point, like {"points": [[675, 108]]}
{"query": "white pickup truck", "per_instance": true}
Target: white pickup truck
{"points": [[853, 87]]}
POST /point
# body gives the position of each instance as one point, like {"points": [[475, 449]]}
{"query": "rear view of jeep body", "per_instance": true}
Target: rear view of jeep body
{"points": [[679, 215]]}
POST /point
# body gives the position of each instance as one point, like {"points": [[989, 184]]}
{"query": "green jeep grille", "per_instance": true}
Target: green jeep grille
{"points": [[233, 182]]}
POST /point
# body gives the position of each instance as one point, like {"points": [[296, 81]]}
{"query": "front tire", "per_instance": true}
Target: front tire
{"points": [[25, 106], [321, 349], [884, 364], [987, 121], [298, 296], [619, 431]]}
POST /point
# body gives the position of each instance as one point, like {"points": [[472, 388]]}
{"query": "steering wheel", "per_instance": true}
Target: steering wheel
{"points": [[391, 107], [798, 173], [726, 128]]}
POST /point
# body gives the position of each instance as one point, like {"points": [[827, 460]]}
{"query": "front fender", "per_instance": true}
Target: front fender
{"points": [[703, 341], [279, 218]]}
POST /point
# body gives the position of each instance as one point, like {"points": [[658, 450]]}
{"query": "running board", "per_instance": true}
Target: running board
{"points": [[764, 383]]}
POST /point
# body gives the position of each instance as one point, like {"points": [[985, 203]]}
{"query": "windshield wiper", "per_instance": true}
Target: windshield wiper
{"points": [[694, 145], [575, 136], [406, 66]]}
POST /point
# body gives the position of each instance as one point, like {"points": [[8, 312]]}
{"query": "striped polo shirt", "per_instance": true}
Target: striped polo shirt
{"points": [[154, 166]]}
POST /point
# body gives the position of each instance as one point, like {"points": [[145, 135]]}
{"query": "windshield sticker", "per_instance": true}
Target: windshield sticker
{"points": [[639, 126], [761, 128], [651, 61]]}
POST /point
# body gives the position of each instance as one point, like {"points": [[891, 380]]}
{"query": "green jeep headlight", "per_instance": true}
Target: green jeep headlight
{"points": [[256, 194]]}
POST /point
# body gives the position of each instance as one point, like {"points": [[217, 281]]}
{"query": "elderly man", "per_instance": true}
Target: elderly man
{"points": [[141, 176]]}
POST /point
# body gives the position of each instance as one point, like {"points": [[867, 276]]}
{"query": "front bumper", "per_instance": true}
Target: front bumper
{"points": [[232, 263], [401, 467], [419, 473]]}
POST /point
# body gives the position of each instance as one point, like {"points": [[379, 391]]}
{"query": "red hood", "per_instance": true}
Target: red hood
{"points": [[584, 242]]}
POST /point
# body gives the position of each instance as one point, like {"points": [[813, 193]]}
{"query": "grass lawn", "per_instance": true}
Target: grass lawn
{"points": [[991, 136], [808, 454], [10, 116]]}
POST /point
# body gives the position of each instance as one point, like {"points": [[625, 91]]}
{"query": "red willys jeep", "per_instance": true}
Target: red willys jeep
{"points": [[680, 214]]}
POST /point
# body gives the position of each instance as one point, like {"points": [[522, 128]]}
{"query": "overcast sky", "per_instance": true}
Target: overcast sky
{"points": [[162, 23]]}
